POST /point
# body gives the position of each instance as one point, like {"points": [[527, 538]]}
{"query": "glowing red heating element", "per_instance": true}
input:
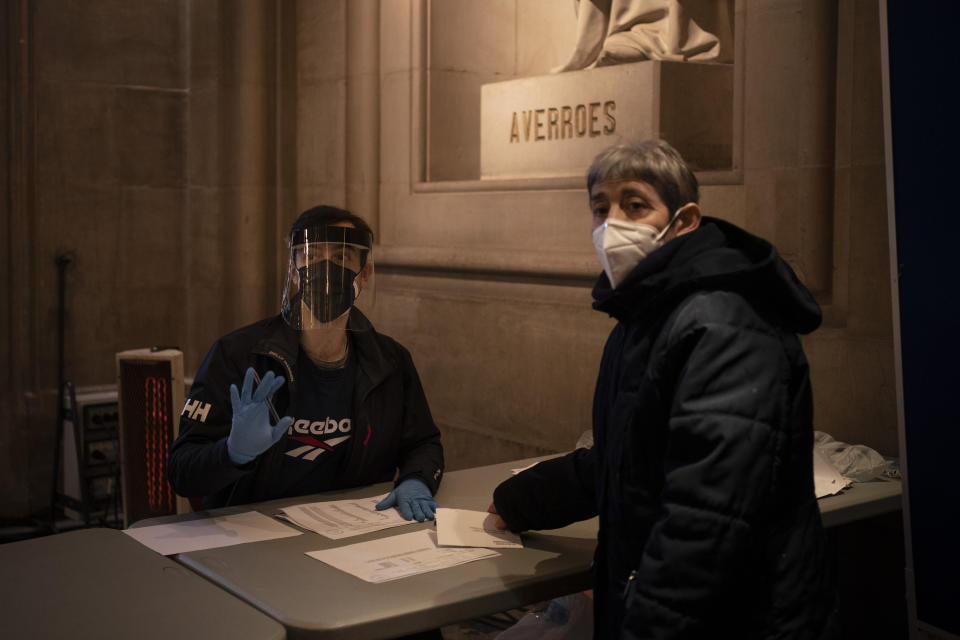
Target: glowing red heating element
{"points": [[157, 445]]}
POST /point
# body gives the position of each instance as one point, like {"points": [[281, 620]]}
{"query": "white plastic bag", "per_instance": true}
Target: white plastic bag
{"points": [[564, 618], [855, 461]]}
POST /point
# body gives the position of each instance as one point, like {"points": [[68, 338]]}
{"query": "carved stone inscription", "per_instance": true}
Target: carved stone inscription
{"points": [[554, 125], [560, 123]]}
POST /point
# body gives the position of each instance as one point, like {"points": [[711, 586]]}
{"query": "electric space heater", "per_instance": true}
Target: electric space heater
{"points": [[151, 396]]}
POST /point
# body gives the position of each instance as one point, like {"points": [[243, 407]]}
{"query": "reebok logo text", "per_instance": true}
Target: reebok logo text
{"points": [[319, 427]]}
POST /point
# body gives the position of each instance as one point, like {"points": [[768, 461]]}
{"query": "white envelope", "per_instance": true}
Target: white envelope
{"points": [[464, 528]]}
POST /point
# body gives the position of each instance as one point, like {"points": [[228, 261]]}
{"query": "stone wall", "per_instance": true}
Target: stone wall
{"points": [[168, 145], [154, 143], [98, 174], [488, 281]]}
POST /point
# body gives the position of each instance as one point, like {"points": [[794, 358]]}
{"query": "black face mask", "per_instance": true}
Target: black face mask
{"points": [[328, 289]]}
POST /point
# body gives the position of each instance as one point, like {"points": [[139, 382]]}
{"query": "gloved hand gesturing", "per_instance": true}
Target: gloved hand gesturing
{"points": [[412, 498], [251, 432]]}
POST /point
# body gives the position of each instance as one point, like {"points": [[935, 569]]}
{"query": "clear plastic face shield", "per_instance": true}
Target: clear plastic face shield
{"points": [[330, 271]]}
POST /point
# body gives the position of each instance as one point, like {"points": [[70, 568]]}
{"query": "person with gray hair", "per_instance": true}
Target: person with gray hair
{"points": [[701, 470], [654, 162]]}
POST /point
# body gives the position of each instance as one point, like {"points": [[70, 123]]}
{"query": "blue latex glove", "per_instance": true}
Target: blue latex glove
{"points": [[251, 432], [412, 498]]}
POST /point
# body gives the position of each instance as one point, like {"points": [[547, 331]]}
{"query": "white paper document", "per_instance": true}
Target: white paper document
{"points": [[399, 556], [464, 528], [522, 469], [344, 518], [207, 533], [826, 479]]}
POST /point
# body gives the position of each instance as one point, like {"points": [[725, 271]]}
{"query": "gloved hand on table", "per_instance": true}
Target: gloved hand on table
{"points": [[413, 499], [251, 432]]}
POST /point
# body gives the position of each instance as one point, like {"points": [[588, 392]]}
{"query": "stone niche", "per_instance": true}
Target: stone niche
{"points": [[553, 125]]}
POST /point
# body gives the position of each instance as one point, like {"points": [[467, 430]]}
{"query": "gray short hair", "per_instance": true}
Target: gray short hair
{"points": [[652, 161]]}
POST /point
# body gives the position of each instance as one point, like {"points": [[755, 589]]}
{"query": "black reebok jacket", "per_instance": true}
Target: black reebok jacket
{"points": [[392, 426], [701, 471]]}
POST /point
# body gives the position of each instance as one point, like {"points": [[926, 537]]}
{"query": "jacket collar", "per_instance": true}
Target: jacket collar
{"points": [[651, 282], [717, 256], [374, 364], [282, 343]]}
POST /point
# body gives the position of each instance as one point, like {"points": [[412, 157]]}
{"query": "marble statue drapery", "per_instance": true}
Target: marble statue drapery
{"points": [[617, 31]]}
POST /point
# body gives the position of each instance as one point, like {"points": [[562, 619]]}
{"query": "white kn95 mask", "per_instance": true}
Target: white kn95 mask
{"points": [[621, 245]]}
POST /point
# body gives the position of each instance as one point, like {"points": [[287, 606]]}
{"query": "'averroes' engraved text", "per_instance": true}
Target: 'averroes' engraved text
{"points": [[561, 123]]}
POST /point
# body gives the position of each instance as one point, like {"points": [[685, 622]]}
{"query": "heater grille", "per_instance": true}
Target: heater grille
{"points": [[148, 382]]}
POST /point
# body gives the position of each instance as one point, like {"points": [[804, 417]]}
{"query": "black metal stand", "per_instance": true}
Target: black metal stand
{"points": [[62, 261], [92, 426]]}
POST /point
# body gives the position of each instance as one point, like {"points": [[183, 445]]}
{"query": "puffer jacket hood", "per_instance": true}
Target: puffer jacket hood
{"points": [[717, 256]]}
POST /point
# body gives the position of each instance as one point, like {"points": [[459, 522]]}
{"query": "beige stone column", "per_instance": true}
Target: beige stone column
{"points": [[18, 357], [362, 146]]}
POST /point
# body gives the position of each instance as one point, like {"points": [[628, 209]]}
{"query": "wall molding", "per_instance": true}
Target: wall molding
{"points": [[578, 269], [572, 183], [420, 30]]}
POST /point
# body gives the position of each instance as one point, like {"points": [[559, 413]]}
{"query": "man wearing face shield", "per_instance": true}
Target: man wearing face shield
{"points": [[701, 469], [353, 408]]}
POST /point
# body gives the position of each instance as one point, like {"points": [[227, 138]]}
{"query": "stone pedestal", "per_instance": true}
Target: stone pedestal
{"points": [[554, 125]]}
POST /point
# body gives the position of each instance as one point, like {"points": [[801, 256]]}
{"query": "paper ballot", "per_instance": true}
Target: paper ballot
{"points": [[826, 479], [464, 528], [399, 556], [343, 518], [522, 469], [207, 533]]}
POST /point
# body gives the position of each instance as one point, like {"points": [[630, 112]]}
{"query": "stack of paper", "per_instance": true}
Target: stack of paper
{"points": [[208, 533], [398, 556], [343, 518], [462, 536]]}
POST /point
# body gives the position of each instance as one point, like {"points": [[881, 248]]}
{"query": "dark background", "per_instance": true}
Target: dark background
{"points": [[923, 49]]}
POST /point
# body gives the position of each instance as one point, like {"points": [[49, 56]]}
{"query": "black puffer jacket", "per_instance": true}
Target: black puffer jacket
{"points": [[701, 470], [393, 428]]}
